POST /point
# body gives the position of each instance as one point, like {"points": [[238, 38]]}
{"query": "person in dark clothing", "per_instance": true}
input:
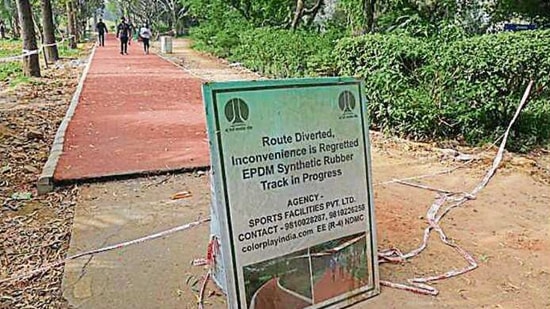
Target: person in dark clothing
{"points": [[2, 30], [101, 31], [123, 33]]}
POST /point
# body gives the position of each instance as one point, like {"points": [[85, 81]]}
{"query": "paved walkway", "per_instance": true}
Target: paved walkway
{"points": [[152, 274], [137, 113]]}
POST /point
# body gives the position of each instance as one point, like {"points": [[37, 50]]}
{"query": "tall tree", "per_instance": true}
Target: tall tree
{"points": [[302, 11], [31, 64], [533, 10], [71, 27], [369, 9], [48, 30]]}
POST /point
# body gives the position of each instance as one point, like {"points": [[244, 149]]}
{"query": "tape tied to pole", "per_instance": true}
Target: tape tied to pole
{"points": [[27, 53]]}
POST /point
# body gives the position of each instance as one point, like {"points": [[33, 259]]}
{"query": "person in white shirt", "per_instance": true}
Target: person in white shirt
{"points": [[145, 34]]}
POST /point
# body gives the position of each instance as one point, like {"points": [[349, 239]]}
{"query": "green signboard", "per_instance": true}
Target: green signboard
{"points": [[292, 195]]}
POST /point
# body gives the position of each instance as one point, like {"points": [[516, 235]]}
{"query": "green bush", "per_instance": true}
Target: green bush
{"points": [[451, 86], [484, 80], [269, 51], [390, 64], [11, 69], [285, 53], [466, 88], [219, 38]]}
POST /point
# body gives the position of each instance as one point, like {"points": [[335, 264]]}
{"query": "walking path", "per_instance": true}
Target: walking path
{"points": [[137, 113], [152, 274]]}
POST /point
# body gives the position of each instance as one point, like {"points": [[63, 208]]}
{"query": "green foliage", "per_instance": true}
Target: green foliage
{"points": [[10, 70], [272, 52], [485, 77], [453, 86], [257, 13], [468, 88], [354, 18], [390, 65], [285, 53], [537, 11], [220, 38]]}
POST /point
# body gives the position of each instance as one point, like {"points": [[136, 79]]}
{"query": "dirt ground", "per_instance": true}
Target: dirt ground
{"points": [[34, 229], [506, 228]]}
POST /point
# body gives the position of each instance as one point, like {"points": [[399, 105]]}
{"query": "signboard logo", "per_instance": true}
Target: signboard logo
{"points": [[347, 104], [237, 112]]}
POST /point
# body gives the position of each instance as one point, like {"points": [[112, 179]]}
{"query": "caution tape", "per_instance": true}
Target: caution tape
{"points": [[27, 53], [420, 285], [105, 249]]}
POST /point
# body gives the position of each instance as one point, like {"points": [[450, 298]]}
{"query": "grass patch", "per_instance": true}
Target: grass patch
{"points": [[18, 80], [9, 70], [12, 72], [66, 52]]}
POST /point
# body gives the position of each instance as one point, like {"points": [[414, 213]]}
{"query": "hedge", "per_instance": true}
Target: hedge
{"points": [[466, 88]]}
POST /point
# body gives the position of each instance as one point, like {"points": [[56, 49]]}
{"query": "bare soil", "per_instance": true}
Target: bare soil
{"points": [[506, 228], [34, 230]]}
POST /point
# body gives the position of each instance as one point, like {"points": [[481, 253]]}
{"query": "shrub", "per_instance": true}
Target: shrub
{"points": [[219, 38], [451, 86], [398, 101], [465, 88], [485, 78], [285, 53]]}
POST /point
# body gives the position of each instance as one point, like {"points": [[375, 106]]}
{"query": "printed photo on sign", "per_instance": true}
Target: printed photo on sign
{"points": [[309, 277]]}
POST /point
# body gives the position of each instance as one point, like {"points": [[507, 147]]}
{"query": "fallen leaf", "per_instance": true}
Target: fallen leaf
{"points": [[180, 195]]}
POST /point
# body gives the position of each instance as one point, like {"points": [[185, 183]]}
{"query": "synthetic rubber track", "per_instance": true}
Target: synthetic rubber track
{"points": [[137, 113], [331, 284], [334, 283], [270, 296]]}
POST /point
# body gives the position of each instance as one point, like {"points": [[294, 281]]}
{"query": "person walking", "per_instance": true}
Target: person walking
{"points": [[123, 33], [101, 31], [2, 30], [145, 35]]}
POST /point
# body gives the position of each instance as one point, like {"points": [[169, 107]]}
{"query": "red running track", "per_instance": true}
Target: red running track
{"points": [[137, 113], [270, 296], [334, 283]]}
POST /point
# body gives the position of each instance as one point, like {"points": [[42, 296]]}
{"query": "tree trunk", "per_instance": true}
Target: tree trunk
{"points": [[15, 25], [31, 64], [314, 11], [70, 25], [302, 11], [297, 14], [76, 26], [49, 31], [368, 9], [174, 19]]}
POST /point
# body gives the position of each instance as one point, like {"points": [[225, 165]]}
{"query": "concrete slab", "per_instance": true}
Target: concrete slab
{"points": [[148, 275]]}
